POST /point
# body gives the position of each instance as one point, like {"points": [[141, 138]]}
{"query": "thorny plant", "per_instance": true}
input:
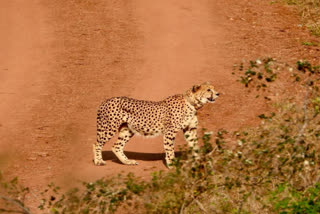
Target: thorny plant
{"points": [[12, 196], [261, 75]]}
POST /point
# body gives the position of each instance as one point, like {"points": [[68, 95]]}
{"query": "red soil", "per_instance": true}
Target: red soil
{"points": [[60, 59]]}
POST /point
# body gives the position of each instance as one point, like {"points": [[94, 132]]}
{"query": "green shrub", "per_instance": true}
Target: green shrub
{"points": [[101, 196], [287, 199]]}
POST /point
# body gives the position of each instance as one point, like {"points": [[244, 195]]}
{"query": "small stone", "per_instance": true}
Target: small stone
{"points": [[41, 154], [209, 133]]}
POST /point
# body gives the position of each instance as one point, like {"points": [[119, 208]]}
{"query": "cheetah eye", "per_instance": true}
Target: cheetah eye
{"points": [[209, 90]]}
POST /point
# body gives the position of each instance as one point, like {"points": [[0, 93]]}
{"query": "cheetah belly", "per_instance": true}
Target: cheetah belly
{"points": [[145, 130], [141, 125]]}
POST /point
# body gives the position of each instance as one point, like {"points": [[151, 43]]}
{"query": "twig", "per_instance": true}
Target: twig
{"points": [[213, 150], [10, 211], [305, 119], [182, 207], [200, 206], [16, 202], [241, 205]]}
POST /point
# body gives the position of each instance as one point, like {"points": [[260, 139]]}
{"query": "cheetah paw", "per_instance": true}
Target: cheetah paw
{"points": [[99, 162], [170, 166], [130, 162]]}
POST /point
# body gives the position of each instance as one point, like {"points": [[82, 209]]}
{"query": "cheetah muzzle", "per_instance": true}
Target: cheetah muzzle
{"points": [[129, 116]]}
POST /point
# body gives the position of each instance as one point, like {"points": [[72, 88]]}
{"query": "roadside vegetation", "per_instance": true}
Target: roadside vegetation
{"points": [[272, 168], [12, 196], [309, 11]]}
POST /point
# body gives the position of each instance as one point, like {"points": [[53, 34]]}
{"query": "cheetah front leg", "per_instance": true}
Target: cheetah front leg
{"points": [[190, 134], [169, 138], [124, 136]]}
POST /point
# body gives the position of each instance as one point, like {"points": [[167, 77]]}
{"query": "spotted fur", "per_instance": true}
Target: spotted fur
{"points": [[147, 118]]}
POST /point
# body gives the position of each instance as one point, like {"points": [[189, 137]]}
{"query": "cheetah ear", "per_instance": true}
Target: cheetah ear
{"points": [[195, 88]]}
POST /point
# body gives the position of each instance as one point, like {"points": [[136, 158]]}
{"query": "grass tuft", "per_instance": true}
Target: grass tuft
{"points": [[309, 11]]}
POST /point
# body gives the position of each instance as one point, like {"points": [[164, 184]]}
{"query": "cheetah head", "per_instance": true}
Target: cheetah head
{"points": [[199, 95]]}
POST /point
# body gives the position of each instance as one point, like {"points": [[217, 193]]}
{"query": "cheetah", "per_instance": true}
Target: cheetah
{"points": [[149, 118]]}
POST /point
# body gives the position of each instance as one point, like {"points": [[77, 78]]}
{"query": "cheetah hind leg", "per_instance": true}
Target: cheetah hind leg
{"points": [[102, 137], [124, 136], [97, 160]]}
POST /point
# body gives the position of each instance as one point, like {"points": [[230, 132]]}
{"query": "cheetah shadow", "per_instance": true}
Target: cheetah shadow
{"points": [[108, 155]]}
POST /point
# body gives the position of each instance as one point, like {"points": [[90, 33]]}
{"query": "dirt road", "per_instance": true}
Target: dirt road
{"points": [[24, 69], [62, 58]]}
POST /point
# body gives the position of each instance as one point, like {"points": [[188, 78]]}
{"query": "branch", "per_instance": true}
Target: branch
{"points": [[201, 206], [17, 203], [10, 211], [182, 207]]}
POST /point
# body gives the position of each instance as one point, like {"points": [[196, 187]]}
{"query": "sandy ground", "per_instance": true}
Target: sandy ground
{"points": [[60, 59]]}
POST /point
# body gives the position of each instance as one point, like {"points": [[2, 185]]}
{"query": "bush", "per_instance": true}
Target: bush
{"points": [[286, 199], [101, 196]]}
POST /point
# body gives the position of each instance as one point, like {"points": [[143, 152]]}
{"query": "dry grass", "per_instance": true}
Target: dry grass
{"points": [[309, 11]]}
